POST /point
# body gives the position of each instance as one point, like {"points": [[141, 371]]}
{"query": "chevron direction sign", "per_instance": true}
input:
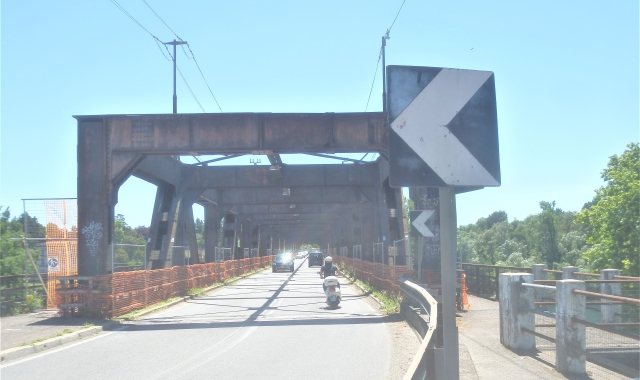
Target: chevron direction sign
{"points": [[420, 223], [443, 127]]}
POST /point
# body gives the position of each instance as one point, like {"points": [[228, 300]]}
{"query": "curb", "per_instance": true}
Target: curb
{"points": [[18, 352]]}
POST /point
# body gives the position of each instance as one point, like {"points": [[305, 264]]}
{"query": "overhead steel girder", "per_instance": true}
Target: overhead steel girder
{"points": [[257, 218], [317, 208], [229, 133], [156, 168]]}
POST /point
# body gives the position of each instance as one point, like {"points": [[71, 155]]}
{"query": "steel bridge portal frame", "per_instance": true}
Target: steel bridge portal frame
{"points": [[340, 205]]}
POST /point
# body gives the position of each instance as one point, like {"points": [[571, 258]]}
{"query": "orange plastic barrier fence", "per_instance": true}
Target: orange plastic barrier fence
{"points": [[119, 293], [463, 291], [61, 243], [384, 277]]}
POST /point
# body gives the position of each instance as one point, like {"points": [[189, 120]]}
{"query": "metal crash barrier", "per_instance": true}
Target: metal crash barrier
{"points": [[424, 362]]}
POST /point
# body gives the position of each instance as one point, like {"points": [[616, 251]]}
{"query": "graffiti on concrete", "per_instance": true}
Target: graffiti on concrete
{"points": [[92, 233]]}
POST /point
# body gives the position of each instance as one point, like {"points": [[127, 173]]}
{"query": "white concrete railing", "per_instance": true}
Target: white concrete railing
{"points": [[517, 316]]}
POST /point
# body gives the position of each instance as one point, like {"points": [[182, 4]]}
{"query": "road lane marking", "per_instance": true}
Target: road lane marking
{"points": [[63, 347]]}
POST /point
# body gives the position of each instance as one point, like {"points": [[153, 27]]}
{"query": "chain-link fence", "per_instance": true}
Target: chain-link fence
{"points": [[378, 256], [222, 254], [50, 244], [357, 252]]}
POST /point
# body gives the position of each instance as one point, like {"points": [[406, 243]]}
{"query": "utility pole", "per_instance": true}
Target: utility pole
{"points": [[384, 74], [175, 97]]}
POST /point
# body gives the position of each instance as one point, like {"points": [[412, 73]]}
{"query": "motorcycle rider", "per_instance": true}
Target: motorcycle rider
{"points": [[328, 269]]}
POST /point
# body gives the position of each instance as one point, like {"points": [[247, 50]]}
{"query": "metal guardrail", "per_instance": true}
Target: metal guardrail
{"points": [[430, 306]]}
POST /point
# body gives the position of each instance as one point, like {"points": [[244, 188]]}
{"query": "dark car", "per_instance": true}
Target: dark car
{"points": [[315, 258], [282, 261]]}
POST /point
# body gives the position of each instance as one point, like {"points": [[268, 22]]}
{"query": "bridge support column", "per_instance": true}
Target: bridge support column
{"points": [[211, 226], [515, 299], [610, 313], [570, 335], [161, 230], [245, 236], [539, 274], [190, 237], [367, 225], [95, 211], [567, 273]]}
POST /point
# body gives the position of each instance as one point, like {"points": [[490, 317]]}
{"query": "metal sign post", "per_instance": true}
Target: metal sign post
{"points": [[448, 228], [443, 132]]}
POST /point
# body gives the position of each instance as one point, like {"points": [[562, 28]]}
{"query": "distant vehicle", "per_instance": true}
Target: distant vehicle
{"points": [[300, 255], [282, 261], [315, 258]]}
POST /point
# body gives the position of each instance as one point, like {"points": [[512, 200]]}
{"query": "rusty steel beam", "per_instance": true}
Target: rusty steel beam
{"points": [[316, 208], [155, 169], [233, 133]]}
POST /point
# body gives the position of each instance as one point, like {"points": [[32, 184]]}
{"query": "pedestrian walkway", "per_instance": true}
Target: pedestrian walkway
{"points": [[26, 329], [482, 356]]}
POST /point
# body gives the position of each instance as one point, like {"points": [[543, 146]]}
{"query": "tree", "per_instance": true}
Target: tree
{"points": [[549, 233], [612, 219], [124, 234], [12, 252]]}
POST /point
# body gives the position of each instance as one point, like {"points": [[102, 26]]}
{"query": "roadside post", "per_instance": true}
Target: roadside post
{"points": [[443, 132]]}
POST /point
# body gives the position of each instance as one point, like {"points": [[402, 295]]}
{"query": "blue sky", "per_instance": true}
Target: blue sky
{"points": [[566, 80]]}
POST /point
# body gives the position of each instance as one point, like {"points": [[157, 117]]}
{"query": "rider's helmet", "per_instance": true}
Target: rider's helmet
{"points": [[328, 260]]}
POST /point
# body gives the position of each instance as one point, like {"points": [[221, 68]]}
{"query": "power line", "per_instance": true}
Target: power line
{"points": [[114, 2], [193, 57], [385, 37], [203, 78], [374, 81], [157, 15], [394, 20], [191, 91]]}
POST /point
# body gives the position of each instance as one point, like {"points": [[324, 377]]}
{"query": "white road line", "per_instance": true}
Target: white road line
{"points": [[62, 348]]}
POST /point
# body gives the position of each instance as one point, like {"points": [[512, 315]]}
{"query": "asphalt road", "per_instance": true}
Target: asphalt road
{"points": [[268, 326]]}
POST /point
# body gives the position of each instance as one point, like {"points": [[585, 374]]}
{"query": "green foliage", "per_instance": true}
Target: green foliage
{"points": [[124, 234], [199, 227], [12, 252], [612, 219], [605, 234], [389, 302], [33, 302], [550, 236]]}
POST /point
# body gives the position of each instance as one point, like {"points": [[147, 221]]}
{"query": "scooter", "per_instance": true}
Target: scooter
{"points": [[332, 291]]}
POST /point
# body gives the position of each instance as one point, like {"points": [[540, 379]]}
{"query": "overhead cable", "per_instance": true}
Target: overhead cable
{"points": [[156, 39], [394, 20], [157, 15], [374, 80], [193, 57], [380, 55]]}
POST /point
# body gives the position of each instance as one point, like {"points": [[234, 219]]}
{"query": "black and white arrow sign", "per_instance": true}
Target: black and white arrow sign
{"points": [[444, 128], [419, 223]]}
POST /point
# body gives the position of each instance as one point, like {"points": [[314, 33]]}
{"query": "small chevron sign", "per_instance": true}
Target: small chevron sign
{"points": [[419, 225], [443, 127]]}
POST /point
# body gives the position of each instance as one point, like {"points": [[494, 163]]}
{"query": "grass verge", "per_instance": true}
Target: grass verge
{"points": [[134, 314], [33, 342], [390, 302]]}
